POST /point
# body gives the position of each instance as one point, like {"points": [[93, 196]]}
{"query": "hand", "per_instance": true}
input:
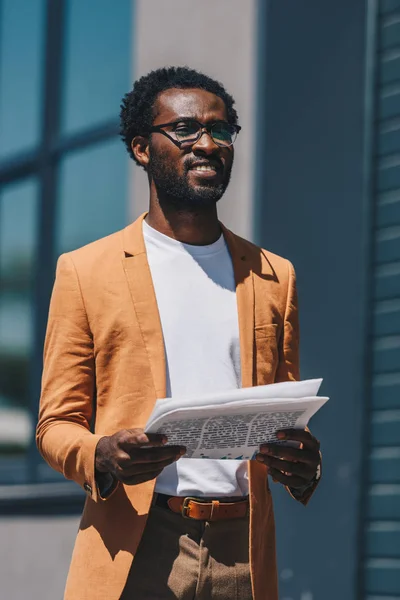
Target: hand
{"points": [[133, 457], [294, 467]]}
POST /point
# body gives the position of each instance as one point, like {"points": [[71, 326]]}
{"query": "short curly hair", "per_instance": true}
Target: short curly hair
{"points": [[136, 116]]}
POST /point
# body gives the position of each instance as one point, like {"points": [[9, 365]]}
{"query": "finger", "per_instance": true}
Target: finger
{"points": [[304, 471], [299, 435], [141, 455], [154, 455], [290, 453], [289, 480], [137, 437], [136, 479]]}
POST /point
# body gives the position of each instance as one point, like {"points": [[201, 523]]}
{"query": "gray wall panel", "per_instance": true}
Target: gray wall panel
{"points": [[389, 5], [386, 391], [312, 213], [383, 576], [388, 213], [384, 502], [390, 35], [387, 281], [387, 317], [382, 539]]}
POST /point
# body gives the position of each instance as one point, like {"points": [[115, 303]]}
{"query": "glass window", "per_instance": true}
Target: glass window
{"points": [[93, 194], [18, 234], [21, 61], [97, 61]]}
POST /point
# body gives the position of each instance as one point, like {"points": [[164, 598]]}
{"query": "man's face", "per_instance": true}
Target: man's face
{"points": [[197, 176]]}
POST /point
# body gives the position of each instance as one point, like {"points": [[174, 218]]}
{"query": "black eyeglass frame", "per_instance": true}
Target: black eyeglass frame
{"points": [[203, 127]]}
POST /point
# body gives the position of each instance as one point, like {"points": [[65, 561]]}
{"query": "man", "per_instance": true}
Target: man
{"points": [[175, 304]]}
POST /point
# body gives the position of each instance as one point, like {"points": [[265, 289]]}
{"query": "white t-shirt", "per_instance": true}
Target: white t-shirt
{"points": [[196, 297]]}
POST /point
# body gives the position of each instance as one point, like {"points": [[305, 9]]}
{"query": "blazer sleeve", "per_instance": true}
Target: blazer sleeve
{"points": [[289, 360], [63, 433]]}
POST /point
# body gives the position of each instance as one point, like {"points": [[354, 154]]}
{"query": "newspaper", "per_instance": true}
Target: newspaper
{"points": [[233, 424]]}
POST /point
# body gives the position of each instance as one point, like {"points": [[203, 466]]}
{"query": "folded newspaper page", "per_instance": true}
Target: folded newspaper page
{"points": [[233, 424]]}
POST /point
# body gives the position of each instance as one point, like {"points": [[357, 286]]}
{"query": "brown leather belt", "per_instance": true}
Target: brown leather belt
{"points": [[204, 509]]}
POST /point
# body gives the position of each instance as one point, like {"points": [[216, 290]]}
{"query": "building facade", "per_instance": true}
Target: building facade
{"points": [[316, 179]]}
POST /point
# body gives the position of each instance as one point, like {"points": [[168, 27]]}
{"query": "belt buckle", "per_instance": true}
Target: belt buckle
{"points": [[185, 506]]}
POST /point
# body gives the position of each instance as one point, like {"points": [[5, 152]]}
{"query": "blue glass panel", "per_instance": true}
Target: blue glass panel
{"points": [[93, 194], [21, 64], [97, 61], [18, 234]]}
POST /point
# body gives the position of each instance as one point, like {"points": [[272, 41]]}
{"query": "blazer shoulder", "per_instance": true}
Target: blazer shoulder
{"points": [[261, 257]]}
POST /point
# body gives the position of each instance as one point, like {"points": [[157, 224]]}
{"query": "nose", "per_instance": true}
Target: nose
{"points": [[205, 144]]}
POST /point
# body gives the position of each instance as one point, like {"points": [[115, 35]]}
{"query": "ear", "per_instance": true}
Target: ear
{"points": [[140, 149]]}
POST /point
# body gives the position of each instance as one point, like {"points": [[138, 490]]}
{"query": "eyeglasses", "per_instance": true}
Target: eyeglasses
{"points": [[186, 132]]}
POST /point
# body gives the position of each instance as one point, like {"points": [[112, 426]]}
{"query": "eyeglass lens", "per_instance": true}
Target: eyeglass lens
{"points": [[223, 134]]}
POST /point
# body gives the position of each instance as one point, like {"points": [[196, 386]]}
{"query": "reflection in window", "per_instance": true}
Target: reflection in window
{"points": [[21, 59], [18, 232], [93, 195], [97, 61]]}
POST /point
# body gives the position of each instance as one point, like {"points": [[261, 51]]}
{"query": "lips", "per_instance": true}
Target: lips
{"points": [[205, 168]]}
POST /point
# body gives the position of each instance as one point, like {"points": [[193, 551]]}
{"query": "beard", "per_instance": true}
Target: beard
{"points": [[176, 191]]}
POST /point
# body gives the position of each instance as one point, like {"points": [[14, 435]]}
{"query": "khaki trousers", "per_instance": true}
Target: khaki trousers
{"points": [[185, 559]]}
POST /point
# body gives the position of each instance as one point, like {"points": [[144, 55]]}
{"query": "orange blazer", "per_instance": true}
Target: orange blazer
{"points": [[104, 368]]}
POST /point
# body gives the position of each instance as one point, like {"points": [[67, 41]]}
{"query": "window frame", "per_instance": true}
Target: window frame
{"points": [[43, 163]]}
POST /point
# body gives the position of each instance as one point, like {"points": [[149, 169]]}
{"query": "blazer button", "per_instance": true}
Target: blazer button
{"points": [[87, 488]]}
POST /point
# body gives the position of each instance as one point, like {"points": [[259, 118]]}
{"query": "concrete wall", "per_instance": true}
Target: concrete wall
{"points": [[35, 553], [219, 39]]}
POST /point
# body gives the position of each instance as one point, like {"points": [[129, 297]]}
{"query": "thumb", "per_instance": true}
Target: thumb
{"points": [[139, 437]]}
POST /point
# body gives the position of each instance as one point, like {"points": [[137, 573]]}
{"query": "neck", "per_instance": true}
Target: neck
{"points": [[199, 228]]}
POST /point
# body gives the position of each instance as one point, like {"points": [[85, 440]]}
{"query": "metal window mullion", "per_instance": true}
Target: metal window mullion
{"points": [[85, 138], [48, 180], [369, 181], [32, 163]]}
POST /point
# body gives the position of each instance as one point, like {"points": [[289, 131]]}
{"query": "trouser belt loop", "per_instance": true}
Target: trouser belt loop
{"points": [[214, 510]]}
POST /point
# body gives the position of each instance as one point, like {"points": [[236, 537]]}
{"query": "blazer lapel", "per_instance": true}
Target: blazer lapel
{"points": [[141, 287], [245, 302]]}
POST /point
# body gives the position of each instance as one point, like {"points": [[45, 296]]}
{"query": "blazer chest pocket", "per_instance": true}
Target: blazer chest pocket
{"points": [[266, 353]]}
